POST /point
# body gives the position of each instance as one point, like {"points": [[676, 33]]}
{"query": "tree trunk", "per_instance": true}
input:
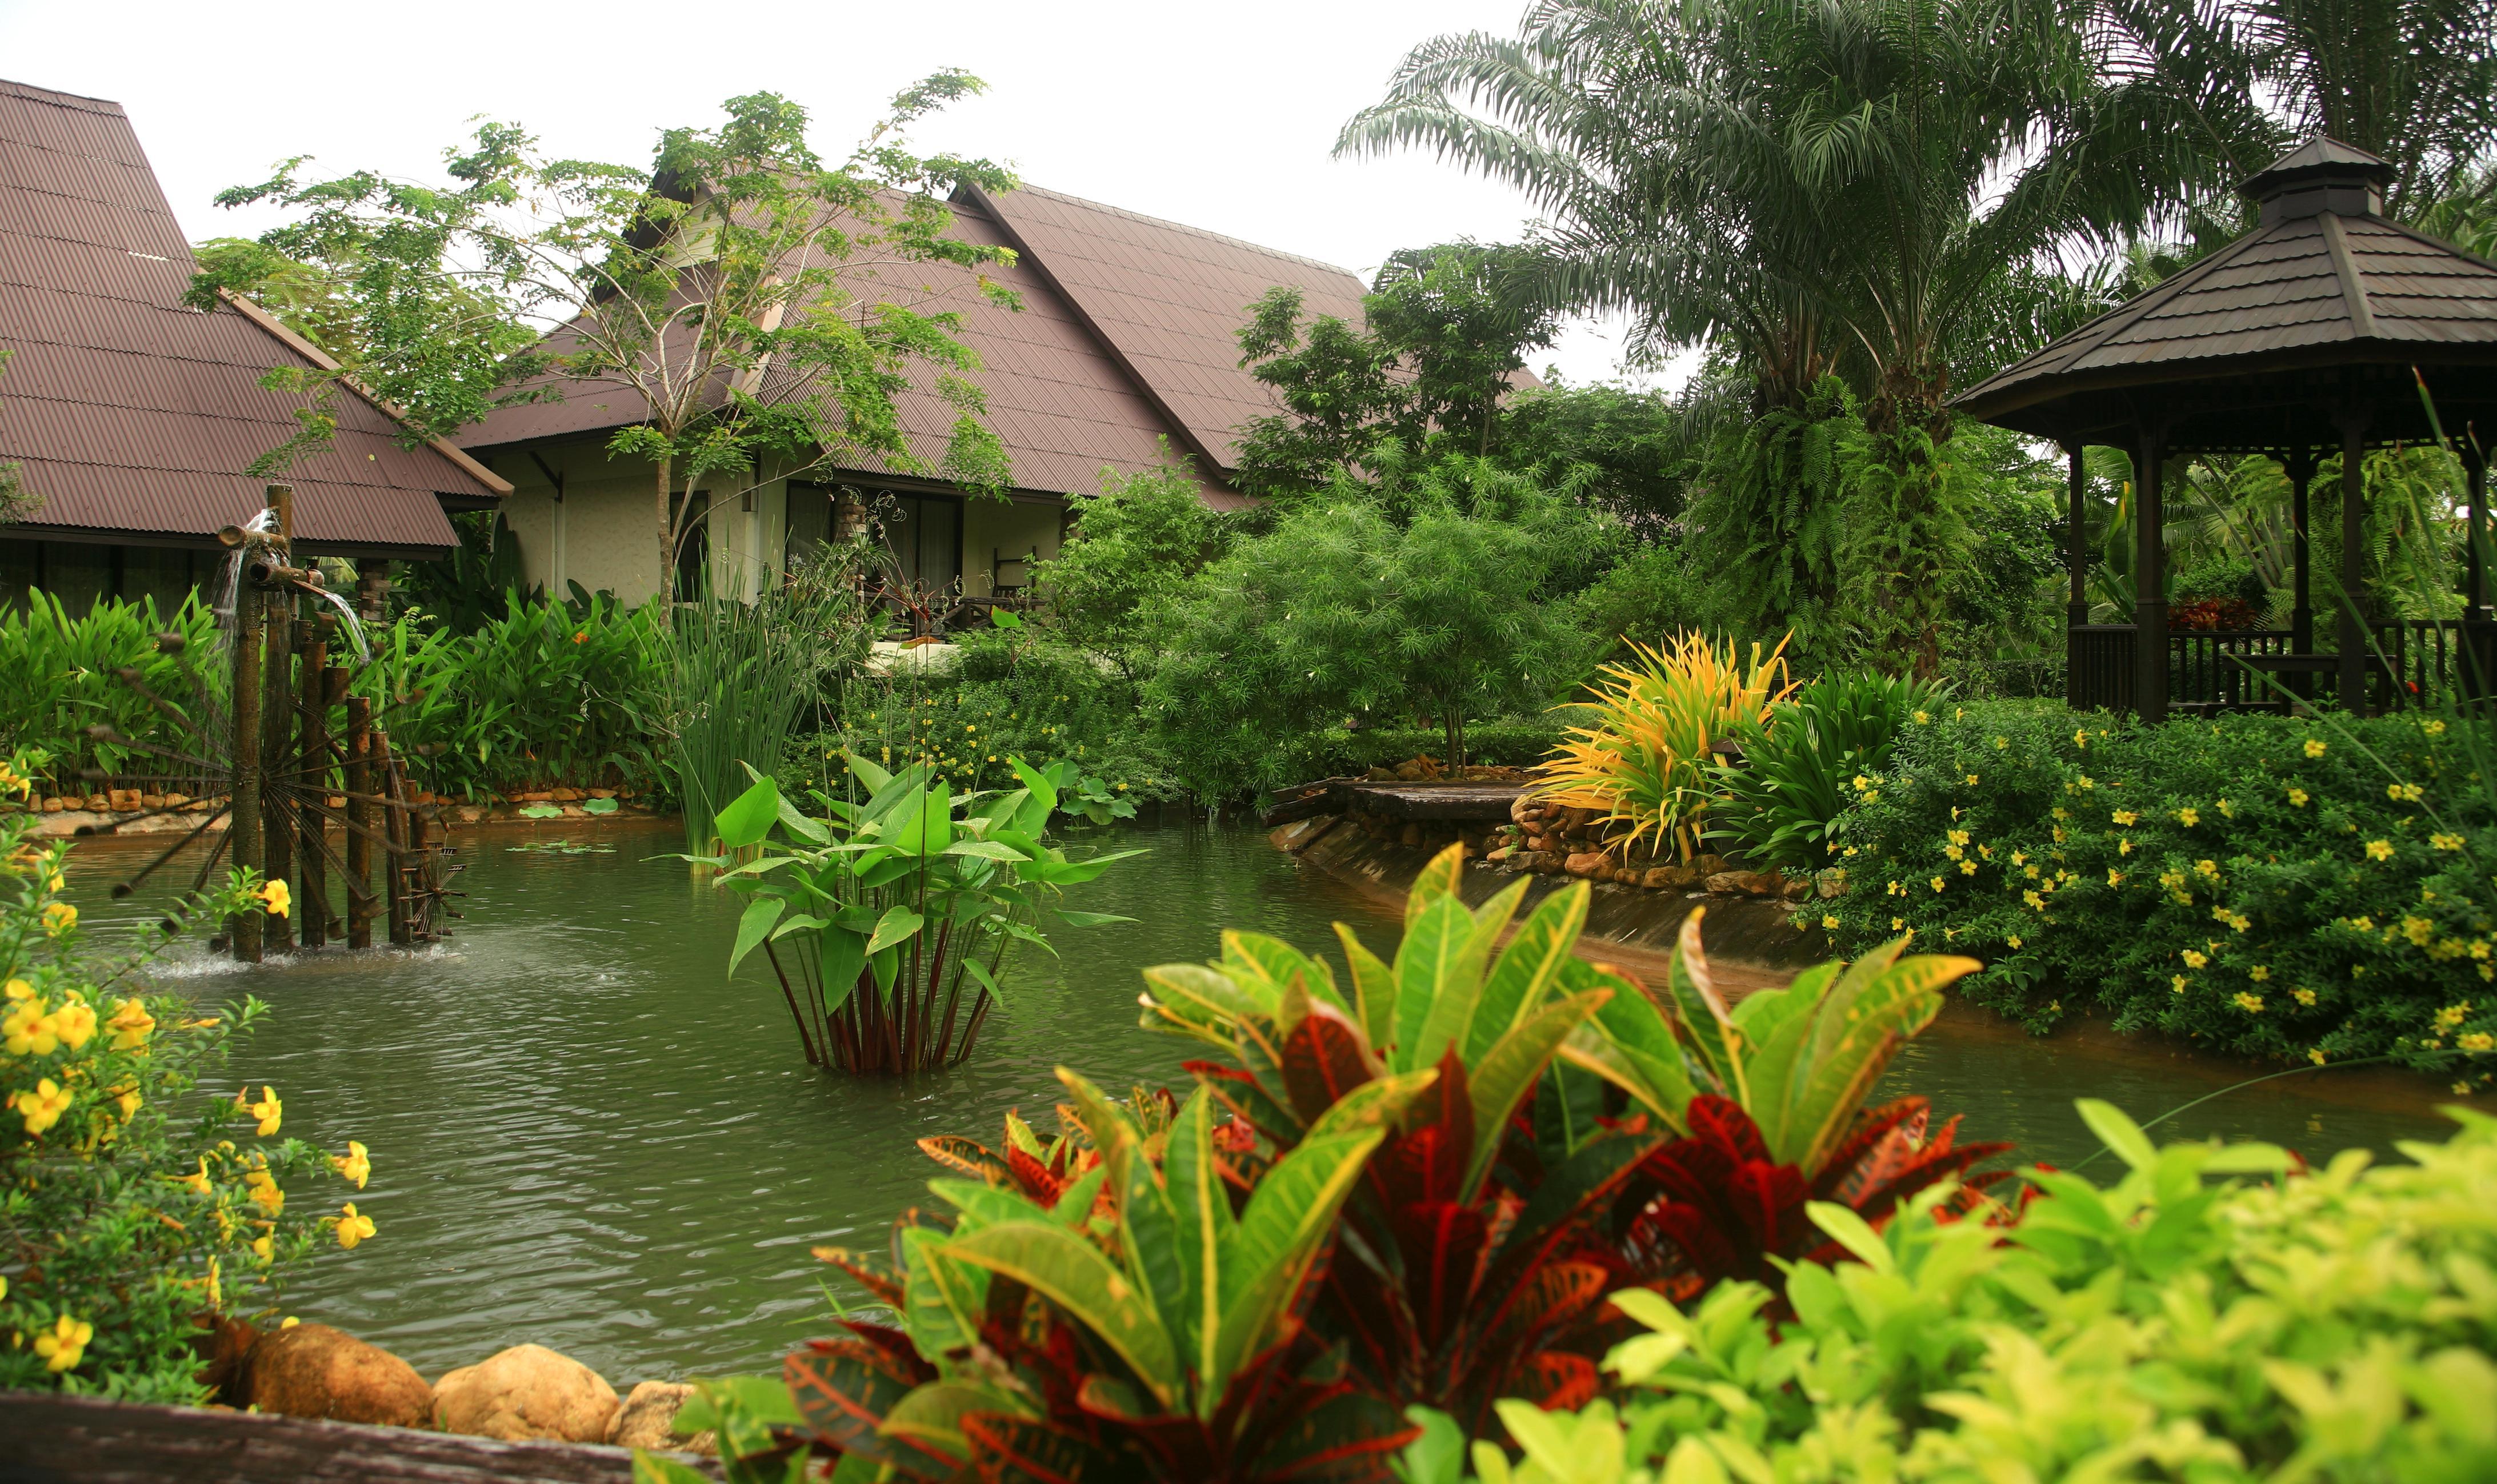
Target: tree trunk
{"points": [[667, 533]]}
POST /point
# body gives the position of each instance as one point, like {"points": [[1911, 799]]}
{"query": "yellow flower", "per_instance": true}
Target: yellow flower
{"points": [[274, 896], [30, 1032], [130, 1025], [2402, 793], [2195, 957], [2013, 940], [128, 1098], [2314, 1054], [1936, 883], [1968, 867], [2258, 973], [2124, 846], [2189, 817], [196, 1181], [352, 1228], [2080, 738], [2477, 1041], [2296, 797], [2031, 872], [1957, 837], [64, 1344], [2314, 748], [2124, 816], [268, 1110], [2179, 982], [358, 1166], [1971, 781], [1897, 923], [59, 917], [2033, 899], [2002, 743], [2444, 841], [1922, 718], [263, 1248], [2432, 727], [19, 988], [43, 1107], [2116, 877], [2303, 996], [2452, 1014], [2210, 869], [1953, 852], [2380, 850], [2249, 1003], [74, 1022]]}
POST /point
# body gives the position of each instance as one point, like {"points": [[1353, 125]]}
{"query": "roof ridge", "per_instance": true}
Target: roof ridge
{"points": [[2080, 342], [1196, 232], [55, 95]]}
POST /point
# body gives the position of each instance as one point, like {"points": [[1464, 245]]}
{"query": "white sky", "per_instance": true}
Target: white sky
{"points": [[1221, 118]]}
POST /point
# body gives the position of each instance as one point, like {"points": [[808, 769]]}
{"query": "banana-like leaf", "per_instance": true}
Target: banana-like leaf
{"points": [[897, 925], [1373, 989], [931, 1414], [1202, 1228], [1288, 1219], [1071, 1272], [1254, 954], [1438, 881], [841, 958], [1808, 1082], [1527, 968], [1439, 976], [945, 1299], [1509, 1070], [747, 817], [753, 926], [1702, 1021], [1200, 1001]]}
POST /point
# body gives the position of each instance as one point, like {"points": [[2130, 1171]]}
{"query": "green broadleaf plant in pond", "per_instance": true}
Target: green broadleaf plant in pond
{"points": [[887, 919]]}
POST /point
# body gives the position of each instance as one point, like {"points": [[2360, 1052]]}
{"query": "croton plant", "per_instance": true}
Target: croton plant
{"points": [[1410, 1184]]}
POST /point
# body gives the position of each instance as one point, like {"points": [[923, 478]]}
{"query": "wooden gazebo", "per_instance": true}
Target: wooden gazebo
{"points": [[2309, 334]]}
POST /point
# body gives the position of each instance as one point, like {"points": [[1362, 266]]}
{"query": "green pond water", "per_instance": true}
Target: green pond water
{"points": [[584, 1135]]}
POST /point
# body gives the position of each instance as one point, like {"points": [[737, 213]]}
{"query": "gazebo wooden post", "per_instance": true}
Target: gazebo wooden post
{"points": [[2298, 464], [2076, 556], [2149, 576], [2352, 633]]}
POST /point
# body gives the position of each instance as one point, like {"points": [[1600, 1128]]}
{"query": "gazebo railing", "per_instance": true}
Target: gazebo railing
{"points": [[2414, 661]]}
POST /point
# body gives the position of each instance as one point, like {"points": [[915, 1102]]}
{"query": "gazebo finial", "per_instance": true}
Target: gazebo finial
{"points": [[2323, 175]]}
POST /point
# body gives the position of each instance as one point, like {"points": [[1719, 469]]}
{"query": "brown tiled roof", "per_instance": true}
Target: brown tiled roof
{"points": [[1170, 299], [1128, 336], [1056, 399], [2253, 338], [131, 415]]}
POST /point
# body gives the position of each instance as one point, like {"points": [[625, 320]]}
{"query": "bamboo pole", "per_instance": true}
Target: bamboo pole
{"points": [[243, 832], [360, 821], [395, 834], [312, 776], [277, 755]]}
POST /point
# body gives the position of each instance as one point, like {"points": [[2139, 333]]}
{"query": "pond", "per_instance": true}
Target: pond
{"points": [[584, 1135]]}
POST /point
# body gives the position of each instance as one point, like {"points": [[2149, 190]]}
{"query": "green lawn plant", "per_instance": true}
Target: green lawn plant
{"points": [[139, 1196], [2215, 1315], [886, 919], [2267, 886], [61, 682], [1783, 803]]}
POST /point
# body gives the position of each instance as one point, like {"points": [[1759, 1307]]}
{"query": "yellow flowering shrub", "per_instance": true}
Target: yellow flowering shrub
{"points": [[2324, 891], [130, 1204]]}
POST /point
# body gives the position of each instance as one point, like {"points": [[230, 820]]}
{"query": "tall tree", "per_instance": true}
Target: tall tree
{"points": [[760, 302]]}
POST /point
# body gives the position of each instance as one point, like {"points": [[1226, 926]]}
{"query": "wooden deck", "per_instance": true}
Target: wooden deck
{"points": [[1454, 800]]}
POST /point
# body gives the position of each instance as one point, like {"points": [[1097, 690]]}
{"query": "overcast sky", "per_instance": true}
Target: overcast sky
{"points": [[1221, 118]]}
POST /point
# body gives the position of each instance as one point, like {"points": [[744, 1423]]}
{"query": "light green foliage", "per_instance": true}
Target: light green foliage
{"points": [[1138, 541], [541, 694], [1638, 444], [136, 1191], [2183, 1322], [60, 677], [16, 504], [1785, 803], [2214, 880], [898, 898], [1343, 611], [1798, 1060]]}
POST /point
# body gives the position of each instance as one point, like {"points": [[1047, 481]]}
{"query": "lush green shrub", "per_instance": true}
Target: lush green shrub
{"points": [[1436, 600], [1138, 541], [544, 693], [132, 1199], [2263, 885], [1784, 801], [2177, 1324], [60, 675]]}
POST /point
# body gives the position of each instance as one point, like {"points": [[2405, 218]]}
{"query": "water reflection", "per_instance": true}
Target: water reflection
{"points": [[586, 1136]]}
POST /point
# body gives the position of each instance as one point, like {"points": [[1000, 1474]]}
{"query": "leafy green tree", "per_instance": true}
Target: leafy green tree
{"points": [[1446, 332], [743, 288], [1136, 542], [16, 504], [1633, 447], [1342, 611]]}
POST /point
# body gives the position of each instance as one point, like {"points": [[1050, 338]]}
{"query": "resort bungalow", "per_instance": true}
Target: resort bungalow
{"points": [[1125, 354], [132, 420]]}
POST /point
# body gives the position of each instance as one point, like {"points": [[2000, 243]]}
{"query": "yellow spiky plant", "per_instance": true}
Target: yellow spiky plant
{"points": [[1644, 758]]}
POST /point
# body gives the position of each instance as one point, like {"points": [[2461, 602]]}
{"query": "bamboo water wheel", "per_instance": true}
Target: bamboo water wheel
{"points": [[303, 759]]}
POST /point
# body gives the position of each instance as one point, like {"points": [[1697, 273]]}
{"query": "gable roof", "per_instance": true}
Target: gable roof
{"points": [[134, 417], [1129, 336], [2323, 286], [1170, 300]]}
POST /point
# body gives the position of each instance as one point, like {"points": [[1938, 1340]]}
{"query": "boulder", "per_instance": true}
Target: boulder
{"points": [[97, 804], [1410, 835], [648, 1419], [523, 1393], [1746, 883], [151, 801], [222, 1346], [1795, 888], [602, 793], [1545, 862], [313, 1371], [1708, 865], [1831, 881], [55, 805], [1503, 853], [1669, 878], [564, 794], [121, 801], [1592, 864], [176, 800]]}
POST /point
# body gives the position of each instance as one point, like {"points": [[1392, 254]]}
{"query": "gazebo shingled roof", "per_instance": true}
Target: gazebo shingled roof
{"points": [[2312, 334]]}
